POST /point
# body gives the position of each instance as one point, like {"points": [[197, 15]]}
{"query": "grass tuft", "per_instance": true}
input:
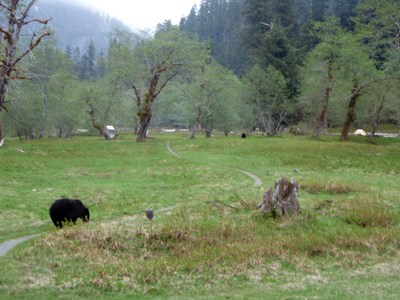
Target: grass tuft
{"points": [[365, 212], [331, 188]]}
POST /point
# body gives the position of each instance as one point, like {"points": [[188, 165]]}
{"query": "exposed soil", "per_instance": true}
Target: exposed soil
{"points": [[8, 245]]}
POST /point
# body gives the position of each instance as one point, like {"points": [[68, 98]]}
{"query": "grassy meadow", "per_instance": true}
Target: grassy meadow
{"points": [[207, 241]]}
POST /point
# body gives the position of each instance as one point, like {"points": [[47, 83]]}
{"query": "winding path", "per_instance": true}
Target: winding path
{"points": [[172, 151], [8, 245], [257, 180]]}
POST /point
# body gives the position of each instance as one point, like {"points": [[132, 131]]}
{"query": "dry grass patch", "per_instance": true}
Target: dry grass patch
{"points": [[201, 249], [331, 188], [366, 212]]}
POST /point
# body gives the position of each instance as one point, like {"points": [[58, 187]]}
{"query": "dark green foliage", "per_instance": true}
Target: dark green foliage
{"points": [[220, 22], [265, 32], [90, 82], [273, 36], [189, 24], [344, 9], [88, 63]]}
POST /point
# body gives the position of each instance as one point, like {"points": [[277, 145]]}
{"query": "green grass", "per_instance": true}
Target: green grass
{"points": [[207, 240]]}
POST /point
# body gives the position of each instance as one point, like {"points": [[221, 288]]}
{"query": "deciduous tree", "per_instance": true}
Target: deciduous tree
{"points": [[158, 61], [268, 96], [14, 17], [319, 73]]}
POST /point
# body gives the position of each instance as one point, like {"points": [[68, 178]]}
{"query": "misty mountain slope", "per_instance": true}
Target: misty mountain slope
{"points": [[75, 26]]}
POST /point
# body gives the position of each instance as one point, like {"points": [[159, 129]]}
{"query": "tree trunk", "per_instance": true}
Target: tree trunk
{"points": [[398, 119], [264, 124], [377, 121], [31, 126], [144, 109], [196, 128], [95, 124], [197, 124], [355, 93], [45, 102], [279, 127], [145, 119], [320, 122], [1, 130], [271, 128], [92, 113], [3, 92]]}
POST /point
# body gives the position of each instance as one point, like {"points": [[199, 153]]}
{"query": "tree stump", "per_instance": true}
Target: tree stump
{"points": [[282, 199]]}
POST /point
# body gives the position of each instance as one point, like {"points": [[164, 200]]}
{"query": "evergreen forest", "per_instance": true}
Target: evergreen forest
{"points": [[229, 66]]}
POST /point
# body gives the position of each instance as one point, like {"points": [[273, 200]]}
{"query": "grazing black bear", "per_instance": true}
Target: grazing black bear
{"points": [[67, 210], [244, 135]]}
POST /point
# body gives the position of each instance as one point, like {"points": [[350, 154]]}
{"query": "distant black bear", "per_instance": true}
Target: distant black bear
{"points": [[67, 210], [244, 135]]}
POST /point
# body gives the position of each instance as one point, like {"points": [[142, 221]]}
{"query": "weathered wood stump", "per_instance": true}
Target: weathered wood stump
{"points": [[282, 199]]}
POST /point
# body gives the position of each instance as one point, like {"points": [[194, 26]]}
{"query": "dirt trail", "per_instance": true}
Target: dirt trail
{"points": [[172, 151], [257, 180], [8, 245]]}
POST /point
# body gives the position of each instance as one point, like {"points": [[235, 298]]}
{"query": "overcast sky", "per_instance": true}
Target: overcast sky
{"points": [[141, 14]]}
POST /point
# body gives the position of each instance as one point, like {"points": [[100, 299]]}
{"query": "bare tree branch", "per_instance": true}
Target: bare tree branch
{"points": [[137, 92], [5, 7], [41, 21], [17, 14], [8, 35], [168, 79], [33, 45], [27, 9], [138, 97]]}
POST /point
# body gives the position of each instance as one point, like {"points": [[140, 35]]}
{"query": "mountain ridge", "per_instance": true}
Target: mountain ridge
{"points": [[76, 26]]}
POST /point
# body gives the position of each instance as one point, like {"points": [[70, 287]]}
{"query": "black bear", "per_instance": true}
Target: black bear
{"points": [[67, 210], [244, 135]]}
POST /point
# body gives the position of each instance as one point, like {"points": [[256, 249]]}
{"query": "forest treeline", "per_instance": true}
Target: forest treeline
{"points": [[273, 32], [229, 65]]}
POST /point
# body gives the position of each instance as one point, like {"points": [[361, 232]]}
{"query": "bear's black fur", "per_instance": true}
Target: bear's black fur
{"points": [[67, 210], [244, 135]]}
